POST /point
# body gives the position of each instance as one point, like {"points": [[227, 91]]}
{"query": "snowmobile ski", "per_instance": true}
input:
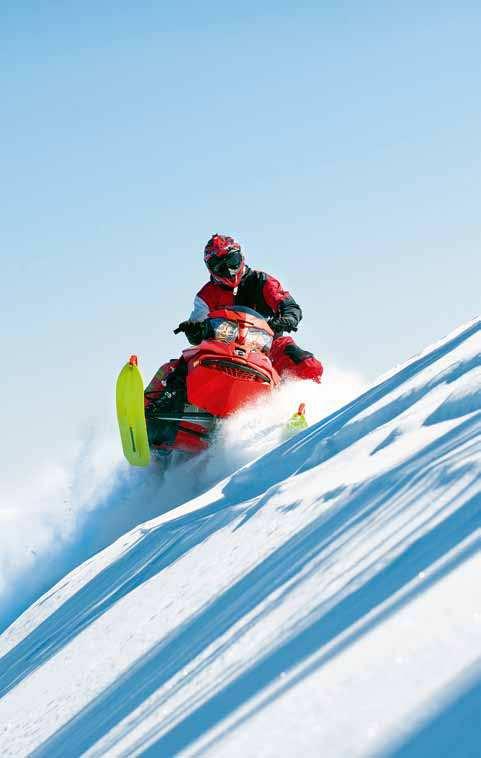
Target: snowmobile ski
{"points": [[297, 422], [130, 414]]}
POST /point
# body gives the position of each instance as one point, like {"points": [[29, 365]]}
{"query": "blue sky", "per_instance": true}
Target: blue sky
{"points": [[340, 142]]}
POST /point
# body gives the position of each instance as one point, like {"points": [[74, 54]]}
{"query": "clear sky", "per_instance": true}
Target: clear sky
{"points": [[338, 141]]}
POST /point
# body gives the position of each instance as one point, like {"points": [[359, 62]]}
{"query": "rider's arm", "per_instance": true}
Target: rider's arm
{"points": [[196, 327], [200, 310], [282, 304], [290, 310]]}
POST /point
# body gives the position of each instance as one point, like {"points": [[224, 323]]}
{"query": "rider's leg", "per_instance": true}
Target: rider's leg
{"points": [[166, 393], [290, 360]]}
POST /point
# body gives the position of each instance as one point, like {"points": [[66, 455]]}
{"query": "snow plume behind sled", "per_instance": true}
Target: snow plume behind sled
{"points": [[260, 427], [67, 513]]}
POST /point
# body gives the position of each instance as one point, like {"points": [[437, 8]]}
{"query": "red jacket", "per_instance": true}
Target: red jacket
{"points": [[256, 290]]}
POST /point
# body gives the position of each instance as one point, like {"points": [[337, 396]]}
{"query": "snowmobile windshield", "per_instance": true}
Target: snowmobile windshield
{"points": [[258, 339], [253, 337], [224, 330]]}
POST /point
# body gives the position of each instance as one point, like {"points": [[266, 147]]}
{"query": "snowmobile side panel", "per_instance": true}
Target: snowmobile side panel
{"points": [[130, 414], [220, 393]]}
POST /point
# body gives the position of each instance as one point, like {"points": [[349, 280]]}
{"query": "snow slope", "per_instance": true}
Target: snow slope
{"points": [[323, 599], [64, 512]]}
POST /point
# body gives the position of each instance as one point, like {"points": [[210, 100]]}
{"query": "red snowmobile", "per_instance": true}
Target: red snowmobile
{"points": [[225, 372]]}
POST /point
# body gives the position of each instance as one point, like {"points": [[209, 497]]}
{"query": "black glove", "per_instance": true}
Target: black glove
{"points": [[195, 331], [283, 324]]}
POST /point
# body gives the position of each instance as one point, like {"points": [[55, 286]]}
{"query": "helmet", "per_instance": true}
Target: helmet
{"points": [[225, 261]]}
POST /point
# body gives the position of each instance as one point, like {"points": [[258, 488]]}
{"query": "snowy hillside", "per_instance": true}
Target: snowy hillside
{"points": [[322, 600]]}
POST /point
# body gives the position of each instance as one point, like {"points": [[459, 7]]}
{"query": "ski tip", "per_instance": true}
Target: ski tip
{"points": [[133, 360]]}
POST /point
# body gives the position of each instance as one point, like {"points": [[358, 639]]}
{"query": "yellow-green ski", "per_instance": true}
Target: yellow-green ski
{"points": [[297, 422], [130, 414]]}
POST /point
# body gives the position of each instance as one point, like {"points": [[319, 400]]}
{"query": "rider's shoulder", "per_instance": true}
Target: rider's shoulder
{"points": [[207, 289], [259, 275], [215, 296], [255, 273]]}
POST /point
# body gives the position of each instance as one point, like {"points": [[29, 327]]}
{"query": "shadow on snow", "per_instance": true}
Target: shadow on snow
{"points": [[309, 549], [454, 730]]}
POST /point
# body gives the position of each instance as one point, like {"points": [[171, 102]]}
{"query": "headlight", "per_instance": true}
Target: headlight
{"points": [[225, 331], [258, 339]]}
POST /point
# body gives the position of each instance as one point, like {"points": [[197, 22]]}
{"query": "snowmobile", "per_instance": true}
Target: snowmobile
{"points": [[226, 371]]}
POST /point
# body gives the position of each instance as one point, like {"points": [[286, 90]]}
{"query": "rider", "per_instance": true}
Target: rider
{"points": [[232, 282]]}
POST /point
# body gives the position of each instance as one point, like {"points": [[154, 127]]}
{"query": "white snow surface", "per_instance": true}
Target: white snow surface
{"points": [[321, 599], [65, 512]]}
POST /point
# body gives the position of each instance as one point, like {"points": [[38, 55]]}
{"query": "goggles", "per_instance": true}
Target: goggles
{"points": [[227, 264]]}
